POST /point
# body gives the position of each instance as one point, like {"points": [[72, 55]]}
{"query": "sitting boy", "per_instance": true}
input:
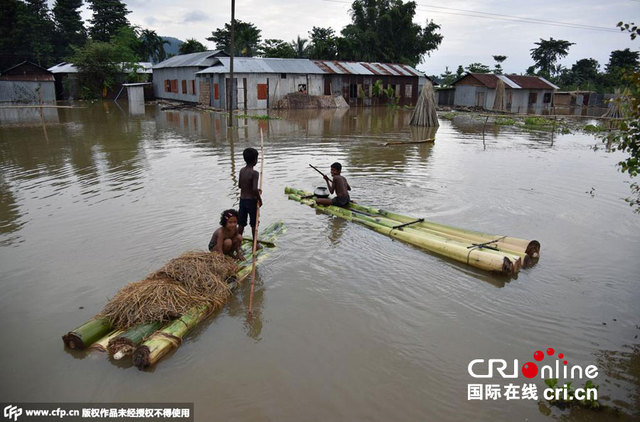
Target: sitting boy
{"points": [[339, 185]]}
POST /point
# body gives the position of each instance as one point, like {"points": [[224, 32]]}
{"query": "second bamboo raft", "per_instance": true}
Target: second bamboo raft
{"points": [[502, 254]]}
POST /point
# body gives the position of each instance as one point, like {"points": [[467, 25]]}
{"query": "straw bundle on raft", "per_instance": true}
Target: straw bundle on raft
{"points": [[425, 112], [193, 279], [498, 102]]}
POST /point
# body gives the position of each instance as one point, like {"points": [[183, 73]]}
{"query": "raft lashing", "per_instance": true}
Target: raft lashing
{"points": [[496, 253], [147, 335]]}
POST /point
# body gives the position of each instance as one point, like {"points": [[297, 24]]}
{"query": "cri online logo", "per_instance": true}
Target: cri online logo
{"points": [[481, 368]]}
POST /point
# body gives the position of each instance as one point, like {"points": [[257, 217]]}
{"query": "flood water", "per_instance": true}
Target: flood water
{"points": [[348, 324]]}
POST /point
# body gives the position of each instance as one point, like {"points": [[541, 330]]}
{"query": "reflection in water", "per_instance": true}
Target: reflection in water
{"points": [[337, 227]]}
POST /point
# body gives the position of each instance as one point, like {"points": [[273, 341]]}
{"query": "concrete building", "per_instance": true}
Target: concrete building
{"points": [[27, 83], [523, 94], [175, 78], [260, 83]]}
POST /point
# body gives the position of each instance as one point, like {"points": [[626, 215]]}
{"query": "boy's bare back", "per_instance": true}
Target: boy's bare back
{"points": [[248, 182]]}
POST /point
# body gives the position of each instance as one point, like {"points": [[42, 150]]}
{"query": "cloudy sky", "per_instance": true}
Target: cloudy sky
{"points": [[473, 31]]}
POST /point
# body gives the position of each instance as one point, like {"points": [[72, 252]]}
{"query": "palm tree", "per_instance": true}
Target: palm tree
{"points": [[191, 46], [152, 46], [299, 46]]}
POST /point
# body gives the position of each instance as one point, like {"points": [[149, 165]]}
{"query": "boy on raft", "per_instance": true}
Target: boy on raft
{"points": [[339, 185], [250, 198]]}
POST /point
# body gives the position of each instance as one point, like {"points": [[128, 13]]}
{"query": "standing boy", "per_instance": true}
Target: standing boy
{"points": [[339, 185], [250, 198]]}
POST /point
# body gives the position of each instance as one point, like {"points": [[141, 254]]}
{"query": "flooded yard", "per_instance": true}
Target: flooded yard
{"points": [[348, 324]]}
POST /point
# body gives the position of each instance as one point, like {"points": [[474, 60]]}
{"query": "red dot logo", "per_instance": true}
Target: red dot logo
{"points": [[560, 356], [530, 369], [538, 355], [550, 351]]}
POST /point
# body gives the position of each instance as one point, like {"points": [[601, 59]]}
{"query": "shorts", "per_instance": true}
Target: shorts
{"points": [[340, 201], [248, 207]]}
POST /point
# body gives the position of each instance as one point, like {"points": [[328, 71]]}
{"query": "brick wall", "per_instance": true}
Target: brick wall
{"points": [[205, 93]]}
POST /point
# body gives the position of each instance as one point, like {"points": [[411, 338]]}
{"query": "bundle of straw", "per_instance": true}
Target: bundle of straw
{"points": [[193, 279], [499, 100], [425, 112]]}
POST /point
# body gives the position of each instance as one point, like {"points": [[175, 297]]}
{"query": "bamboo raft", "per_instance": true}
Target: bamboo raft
{"points": [[502, 254], [149, 343]]}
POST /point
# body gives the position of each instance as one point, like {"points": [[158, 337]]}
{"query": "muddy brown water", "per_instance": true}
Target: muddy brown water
{"points": [[348, 324]]}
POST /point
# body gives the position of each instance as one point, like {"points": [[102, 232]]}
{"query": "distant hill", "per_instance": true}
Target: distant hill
{"points": [[172, 48]]}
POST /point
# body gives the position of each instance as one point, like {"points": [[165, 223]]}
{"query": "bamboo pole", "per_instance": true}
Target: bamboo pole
{"points": [[125, 344], [101, 345], [86, 334], [163, 341], [255, 234]]}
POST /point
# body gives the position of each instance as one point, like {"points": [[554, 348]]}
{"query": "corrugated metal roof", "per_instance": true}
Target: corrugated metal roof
{"points": [[202, 59], [263, 65], [512, 81], [145, 67], [306, 66]]}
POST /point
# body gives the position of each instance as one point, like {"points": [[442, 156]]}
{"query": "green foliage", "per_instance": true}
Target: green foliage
{"points": [[151, 46], [627, 137], [191, 46], [277, 48], [70, 30], [547, 54], [384, 31], [478, 68], [447, 78], [108, 17], [323, 44], [594, 128], [246, 38], [503, 121], [299, 45]]}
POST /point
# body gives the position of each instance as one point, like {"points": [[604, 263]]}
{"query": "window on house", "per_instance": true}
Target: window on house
{"points": [[533, 98], [408, 91], [174, 86], [547, 98], [283, 76], [193, 87], [353, 90], [167, 85], [262, 91], [184, 86], [216, 92]]}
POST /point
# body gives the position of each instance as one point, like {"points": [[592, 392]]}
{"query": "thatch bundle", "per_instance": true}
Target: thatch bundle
{"points": [[193, 279], [425, 112], [499, 100], [618, 105]]}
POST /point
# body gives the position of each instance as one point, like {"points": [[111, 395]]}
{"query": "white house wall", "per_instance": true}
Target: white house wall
{"points": [[27, 91], [179, 74]]}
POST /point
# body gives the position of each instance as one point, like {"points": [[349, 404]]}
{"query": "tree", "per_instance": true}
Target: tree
{"points": [[323, 44], [478, 68], [108, 17], [277, 48], [246, 38], [623, 59], [383, 30], [37, 32], [459, 71], [152, 46], [191, 46], [584, 73], [12, 48], [547, 54], [498, 67], [69, 26], [300, 47], [448, 77], [627, 138]]}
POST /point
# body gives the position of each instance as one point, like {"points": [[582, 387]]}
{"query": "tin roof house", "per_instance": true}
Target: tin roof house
{"points": [[522, 94], [261, 83], [27, 83], [66, 77], [175, 78]]}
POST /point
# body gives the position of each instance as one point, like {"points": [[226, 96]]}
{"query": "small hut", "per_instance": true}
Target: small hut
{"points": [[27, 83]]}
